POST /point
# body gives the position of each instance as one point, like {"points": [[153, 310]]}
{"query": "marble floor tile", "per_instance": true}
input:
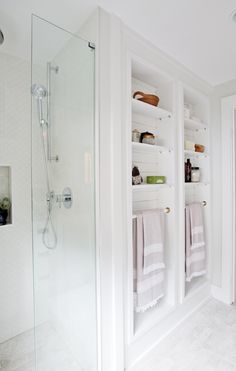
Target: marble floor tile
{"points": [[206, 341]]}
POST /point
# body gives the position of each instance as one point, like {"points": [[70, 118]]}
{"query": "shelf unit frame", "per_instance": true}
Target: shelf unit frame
{"points": [[151, 321], [205, 280], [135, 343]]}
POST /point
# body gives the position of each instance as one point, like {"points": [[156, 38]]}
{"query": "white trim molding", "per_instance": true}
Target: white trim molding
{"points": [[226, 292]]}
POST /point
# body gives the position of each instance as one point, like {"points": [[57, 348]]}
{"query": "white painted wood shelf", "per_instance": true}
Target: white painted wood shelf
{"points": [[196, 154], [194, 125], [191, 184], [150, 187], [149, 110], [143, 146]]}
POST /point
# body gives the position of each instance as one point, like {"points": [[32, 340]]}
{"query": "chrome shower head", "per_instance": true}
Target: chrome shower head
{"points": [[38, 91]]}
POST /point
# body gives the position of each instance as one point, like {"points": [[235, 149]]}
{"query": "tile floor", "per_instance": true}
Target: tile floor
{"points": [[206, 341], [52, 352]]}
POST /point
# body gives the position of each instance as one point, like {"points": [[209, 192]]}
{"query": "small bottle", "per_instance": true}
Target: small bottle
{"points": [[195, 175], [188, 169]]}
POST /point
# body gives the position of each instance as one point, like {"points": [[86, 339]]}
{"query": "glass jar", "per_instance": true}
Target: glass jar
{"points": [[195, 175], [136, 135]]}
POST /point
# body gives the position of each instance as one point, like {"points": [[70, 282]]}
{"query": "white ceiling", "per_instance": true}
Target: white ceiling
{"points": [[197, 33]]}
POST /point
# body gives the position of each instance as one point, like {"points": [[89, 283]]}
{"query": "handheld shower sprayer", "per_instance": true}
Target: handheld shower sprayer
{"points": [[39, 92]]}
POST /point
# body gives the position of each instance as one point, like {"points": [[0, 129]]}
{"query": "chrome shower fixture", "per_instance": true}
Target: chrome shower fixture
{"points": [[1, 37], [39, 92]]}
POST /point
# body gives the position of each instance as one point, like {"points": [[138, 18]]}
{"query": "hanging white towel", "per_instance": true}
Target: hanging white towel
{"points": [[196, 225], [195, 255], [148, 262], [153, 226]]}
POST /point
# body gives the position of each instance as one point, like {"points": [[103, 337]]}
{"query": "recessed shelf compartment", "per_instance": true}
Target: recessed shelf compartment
{"points": [[194, 125], [196, 131], [143, 146], [146, 109], [5, 195], [157, 159]]}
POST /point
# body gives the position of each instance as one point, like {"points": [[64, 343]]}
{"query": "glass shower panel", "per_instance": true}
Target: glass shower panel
{"points": [[63, 200]]}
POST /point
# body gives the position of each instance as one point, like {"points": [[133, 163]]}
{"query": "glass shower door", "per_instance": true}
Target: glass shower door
{"points": [[63, 195]]}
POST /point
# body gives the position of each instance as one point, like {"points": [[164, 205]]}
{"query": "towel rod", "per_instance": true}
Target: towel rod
{"points": [[204, 203], [166, 210]]}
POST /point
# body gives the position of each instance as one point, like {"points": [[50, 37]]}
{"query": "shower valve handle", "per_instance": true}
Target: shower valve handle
{"points": [[65, 198]]}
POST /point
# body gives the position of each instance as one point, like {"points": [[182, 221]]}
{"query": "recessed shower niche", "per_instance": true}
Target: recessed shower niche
{"points": [[5, 196]]}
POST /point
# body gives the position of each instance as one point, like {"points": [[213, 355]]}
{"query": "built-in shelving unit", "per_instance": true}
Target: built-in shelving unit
{"points": [[156, 159], [197, 132], [180, 122]]}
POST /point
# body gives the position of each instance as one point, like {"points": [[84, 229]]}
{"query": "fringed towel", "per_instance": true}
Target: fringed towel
{"points": [[195, 246], [148, 250]]}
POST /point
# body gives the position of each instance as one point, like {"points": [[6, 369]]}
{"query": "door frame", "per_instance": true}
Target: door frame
{"points": [[228, 141]]}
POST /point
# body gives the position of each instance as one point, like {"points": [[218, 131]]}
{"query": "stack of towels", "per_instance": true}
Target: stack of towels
{"points": [[195, 246], [148, 250]]}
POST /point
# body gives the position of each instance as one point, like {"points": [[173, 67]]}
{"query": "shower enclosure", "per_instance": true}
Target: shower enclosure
{"points": [[63, 194]]}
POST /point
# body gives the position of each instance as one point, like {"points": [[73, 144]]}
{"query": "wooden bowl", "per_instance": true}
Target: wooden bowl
{"points": [[147, 98], [199, 148]]}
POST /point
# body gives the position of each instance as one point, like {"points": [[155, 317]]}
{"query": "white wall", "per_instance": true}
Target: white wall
{"points": [[220, 91], [16, 302], [116, 41]]}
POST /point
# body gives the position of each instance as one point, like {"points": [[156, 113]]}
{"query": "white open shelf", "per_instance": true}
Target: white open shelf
{"points": [[191, 184], [149, 110], [196, 154], [194, 125], [150, 187], [143, 146]]}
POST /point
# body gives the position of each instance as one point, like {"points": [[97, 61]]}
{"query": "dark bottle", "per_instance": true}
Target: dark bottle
{"points": [[188, 169]]}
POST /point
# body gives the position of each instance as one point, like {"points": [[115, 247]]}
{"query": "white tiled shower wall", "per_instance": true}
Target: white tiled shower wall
{"points": [[16, 300], [5, 186]]}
